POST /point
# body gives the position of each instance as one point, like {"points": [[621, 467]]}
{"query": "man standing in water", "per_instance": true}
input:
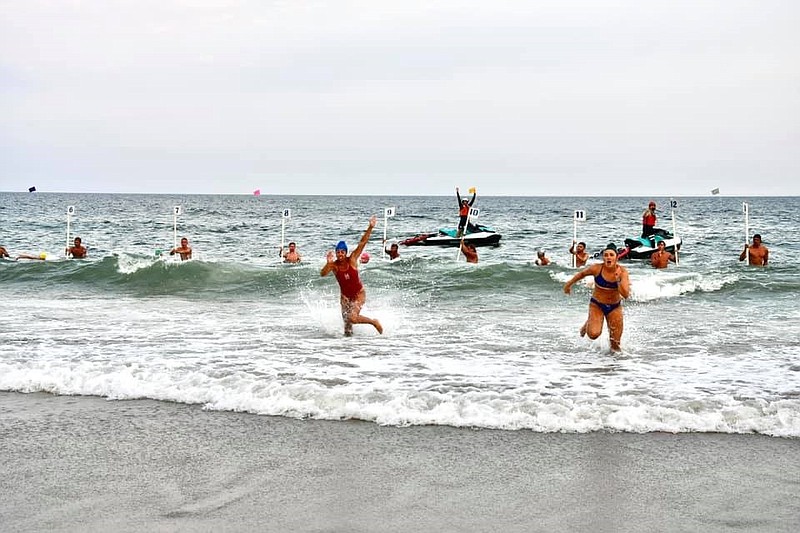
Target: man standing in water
{"points": [[759, 254], [661, 257], [291, 255], [77, 250], [393, 252], [606, 300], [580, 253], [345, 268], [469, 251], [184, 250]]}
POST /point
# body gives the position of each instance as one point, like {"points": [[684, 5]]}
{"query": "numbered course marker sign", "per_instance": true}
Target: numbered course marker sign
{"points": [[388, 212], [286, 214], [578, 216], [70, 212], [673, 204], [176, 210]]}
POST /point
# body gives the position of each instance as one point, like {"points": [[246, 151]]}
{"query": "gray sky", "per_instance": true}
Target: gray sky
{"points": [[593, 97]]}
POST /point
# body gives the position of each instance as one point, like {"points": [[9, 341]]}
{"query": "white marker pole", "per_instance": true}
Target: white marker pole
{"points": [[473, 213], [746, 209], [176, 210], [287, 213], [578, 216], [387, 213], [673, 204], [70, 212]]}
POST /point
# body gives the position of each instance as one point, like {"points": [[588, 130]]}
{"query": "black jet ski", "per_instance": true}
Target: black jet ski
{"points": [[643, 247], [476, 234]]}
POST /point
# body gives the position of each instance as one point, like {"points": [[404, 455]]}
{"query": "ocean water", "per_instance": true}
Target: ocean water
{"points": [[710, 345]]}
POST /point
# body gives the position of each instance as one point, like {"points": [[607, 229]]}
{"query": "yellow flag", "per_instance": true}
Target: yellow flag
{"points": [[472, 190]]}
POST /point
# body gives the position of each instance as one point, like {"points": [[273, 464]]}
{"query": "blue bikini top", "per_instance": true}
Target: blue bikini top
{"points": [[600, 281]]}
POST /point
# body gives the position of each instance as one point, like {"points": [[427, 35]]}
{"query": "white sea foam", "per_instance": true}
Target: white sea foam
{"points": [[511, 409]]}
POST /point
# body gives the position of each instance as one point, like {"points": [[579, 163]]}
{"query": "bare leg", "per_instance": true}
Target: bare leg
{"points": [[615, 326], [348, 325], [354, 315], [594, 323]]}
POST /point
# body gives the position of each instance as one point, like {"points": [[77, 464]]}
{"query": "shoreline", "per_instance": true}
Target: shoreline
{"points": [[90, 464]]}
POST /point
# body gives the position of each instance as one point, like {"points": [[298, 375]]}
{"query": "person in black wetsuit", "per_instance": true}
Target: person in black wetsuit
{"points": [[463, 211]]}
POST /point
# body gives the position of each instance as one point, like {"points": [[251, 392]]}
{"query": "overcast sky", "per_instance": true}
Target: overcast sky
{"points": [[593, 97]]}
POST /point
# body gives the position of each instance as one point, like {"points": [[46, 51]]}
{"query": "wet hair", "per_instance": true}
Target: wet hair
{"points": [[540, 253], [757, 236], [292, 244], [611, 246], [582, 244], [341, 245]]}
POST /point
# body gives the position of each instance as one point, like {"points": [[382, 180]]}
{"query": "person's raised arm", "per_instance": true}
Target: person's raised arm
{"points": [[364, 239], [744, 252], [330, 264], [458, 197], [474, 195]]}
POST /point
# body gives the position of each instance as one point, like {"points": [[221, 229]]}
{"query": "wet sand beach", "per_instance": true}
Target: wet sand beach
{"points": [[89, 464]]}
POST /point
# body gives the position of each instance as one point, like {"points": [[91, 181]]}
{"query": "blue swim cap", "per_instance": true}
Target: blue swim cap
{"points": [[341, 245]]}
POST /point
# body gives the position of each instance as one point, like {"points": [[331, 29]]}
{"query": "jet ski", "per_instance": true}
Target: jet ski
{"points": [[643, 247], [476, 234]]}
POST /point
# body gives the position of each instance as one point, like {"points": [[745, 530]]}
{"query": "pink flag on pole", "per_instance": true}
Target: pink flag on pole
{"points": [[257, 192]]}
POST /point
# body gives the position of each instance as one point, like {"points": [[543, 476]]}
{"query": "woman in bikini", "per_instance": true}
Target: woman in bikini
{"points": [[345, 268], [611, 285]]}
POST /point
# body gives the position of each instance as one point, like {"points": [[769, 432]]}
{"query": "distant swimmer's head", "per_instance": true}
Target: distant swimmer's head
{"points": [[42, 255], [540, 253], [662, 244], [364, 257], [652, 205], [341, 246], [756, 237]]}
